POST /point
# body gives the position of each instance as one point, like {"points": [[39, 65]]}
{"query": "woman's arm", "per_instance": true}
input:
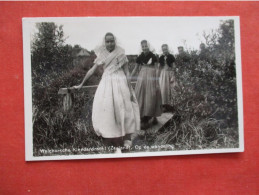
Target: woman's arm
{"points": [[157, 66], [127, 73], [87, 76], [134, 70], [173, 65], [160, 61]]}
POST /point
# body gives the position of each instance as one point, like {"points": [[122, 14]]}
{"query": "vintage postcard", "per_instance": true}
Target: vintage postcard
{"points": [[108, 87]]}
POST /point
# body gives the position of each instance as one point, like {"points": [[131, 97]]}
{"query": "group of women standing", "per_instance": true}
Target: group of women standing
{"points": [[118, 110]]}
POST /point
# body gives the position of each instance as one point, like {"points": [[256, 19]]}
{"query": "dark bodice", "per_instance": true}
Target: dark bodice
{"points": [[168, 59], [143, 59]]}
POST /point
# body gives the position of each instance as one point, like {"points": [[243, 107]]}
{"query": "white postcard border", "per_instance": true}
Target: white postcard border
{"points": [[28, 96]]}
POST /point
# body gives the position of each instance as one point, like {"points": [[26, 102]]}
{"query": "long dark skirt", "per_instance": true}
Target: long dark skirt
{"points": [[148, 93], [165, 86]]}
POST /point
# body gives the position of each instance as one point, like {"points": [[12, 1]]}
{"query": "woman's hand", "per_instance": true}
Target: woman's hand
{"points": [[175, 84], [101, 63], [78, 86], [172, 80], [132, 98]]}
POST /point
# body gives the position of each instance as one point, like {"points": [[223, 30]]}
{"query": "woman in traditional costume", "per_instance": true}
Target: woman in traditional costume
{"points": [[115, 114], [166, 63], [147, 87]]}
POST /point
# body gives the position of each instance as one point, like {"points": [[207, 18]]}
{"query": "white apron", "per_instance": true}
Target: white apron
{"points": [[114, 114]]}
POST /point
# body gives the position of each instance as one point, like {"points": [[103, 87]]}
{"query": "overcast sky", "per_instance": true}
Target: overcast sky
{"points": [[89, 32]]}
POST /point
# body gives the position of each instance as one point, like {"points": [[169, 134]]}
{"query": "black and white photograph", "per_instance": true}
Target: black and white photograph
{"points": [[109, 87]]}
